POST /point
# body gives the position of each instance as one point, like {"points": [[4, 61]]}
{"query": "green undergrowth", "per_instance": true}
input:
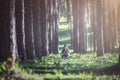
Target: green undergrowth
{"points": [[76, 61], [82, 76]]}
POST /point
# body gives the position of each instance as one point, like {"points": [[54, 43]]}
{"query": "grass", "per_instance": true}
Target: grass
{"points": [[75, 62]]}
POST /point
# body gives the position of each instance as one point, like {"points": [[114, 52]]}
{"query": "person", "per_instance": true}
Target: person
{"points": [[65, 52]]}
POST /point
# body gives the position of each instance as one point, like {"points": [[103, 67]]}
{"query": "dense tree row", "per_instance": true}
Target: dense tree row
{"points": [[98, 18], [53, 24], [28, 28], [104, 25], [7, 31]]}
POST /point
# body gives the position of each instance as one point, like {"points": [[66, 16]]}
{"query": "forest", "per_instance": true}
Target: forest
{"points": [[34, 32]]}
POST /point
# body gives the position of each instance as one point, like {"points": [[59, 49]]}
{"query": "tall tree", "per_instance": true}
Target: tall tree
{"points": [[50, 24], [68, 9], [93, 22], [19, 12], [56, 22], [29, 38], [75, 26], [107, 28], [44, 28], [82, 27], [53, 24], [36, 27], [118, 28], [8, 32], [99, 37], [112, 25]]}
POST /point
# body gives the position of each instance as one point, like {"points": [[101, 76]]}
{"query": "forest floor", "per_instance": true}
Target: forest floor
{"points": [[77, 67]]}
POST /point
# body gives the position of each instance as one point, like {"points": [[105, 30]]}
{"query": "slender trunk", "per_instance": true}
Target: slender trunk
{"points": [[50, 20], [8, 46], [56, 25], [100, 43], [44, 28], [107, 41], [13, 45], [36, 27], [93, 22], [4, 30], [75, 26], [82, 28], [105, 26], [68, 7], [118, 29], [30, 49], [20, 29], [112, 26], [71, 22]]}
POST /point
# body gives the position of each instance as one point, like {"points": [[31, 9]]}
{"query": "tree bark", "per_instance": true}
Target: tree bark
{"points": [[75, 26], [93, 22], [4, 30], [8, 47], [53, 19], [36, 27], [44, 28], [29, 38], [50, 21], [118, 29], [56, 21], [100, 42], [82, 27], [19, 12]]}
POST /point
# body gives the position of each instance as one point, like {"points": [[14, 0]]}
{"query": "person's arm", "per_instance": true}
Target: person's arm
{"points": [[68, 52], [62, 52]]}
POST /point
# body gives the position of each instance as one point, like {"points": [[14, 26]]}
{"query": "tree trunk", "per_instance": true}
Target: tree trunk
{"points": [[118, 29], [8, 47], [100, 43], [93, 22], [119, 59], [68, 7], [112, 25], [53, 19], [30, 49], [82, 28], [75, 26], [107, 32], [56, 21], [13, 45], [44, 28], [50, 21], [4, 30], [36, 27], [19, 11]]}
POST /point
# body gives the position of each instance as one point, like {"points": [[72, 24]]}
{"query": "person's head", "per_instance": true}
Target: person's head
{"points": [[65, 47]]}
